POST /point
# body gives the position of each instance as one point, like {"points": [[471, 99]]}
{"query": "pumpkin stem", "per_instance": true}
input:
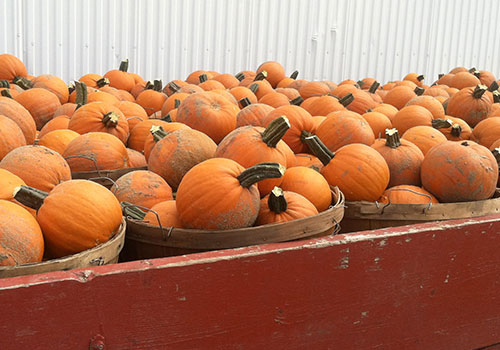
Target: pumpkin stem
{"points": [[420, 77], [203, 78], [276, 201], [31, 197], [456, 130], [240, 76], [173, 86], [419, 91], [440, 75], [346, 100], [245, 102], [496, 96], [167, 118], [494, 86], [24, 83], [254, 87], [465, 143], [157, 85], [71, 87], [110, 119], [81, 94], [360, 83], [260, 172], [102, 82], [275, 131], [149, 85], [158, 132], [6, 93], [294, 75], [319, 149], [479, 91], [496, 154], [374, 87], [124, 65], [476, 73], [177, 103], [261, 76], [369, 110], [4, 84], [392, 139], [130, 210], [441, 123], [297, 101]]}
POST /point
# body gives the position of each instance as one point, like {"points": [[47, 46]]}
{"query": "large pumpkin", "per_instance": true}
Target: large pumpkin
{"points": [[11, 136], [471, 104], [459, 172], [219, 194], [53, 84], [11, 67], [41, 104], [209, 113], [75, 216]]}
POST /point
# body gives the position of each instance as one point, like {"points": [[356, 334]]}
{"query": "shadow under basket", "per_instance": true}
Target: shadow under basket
{"points": [[104, 177], [144, 241], [103, 254], [362, 216]]}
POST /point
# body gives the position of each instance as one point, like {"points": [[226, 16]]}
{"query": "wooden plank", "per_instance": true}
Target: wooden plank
{"points": [[432, 286]]}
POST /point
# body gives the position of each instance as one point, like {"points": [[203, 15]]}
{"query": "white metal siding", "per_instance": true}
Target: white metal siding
{"points": [[323, 39]]}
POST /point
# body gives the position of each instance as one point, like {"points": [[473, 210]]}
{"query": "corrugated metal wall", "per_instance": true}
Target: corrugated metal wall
{"points": [[323, 39]]}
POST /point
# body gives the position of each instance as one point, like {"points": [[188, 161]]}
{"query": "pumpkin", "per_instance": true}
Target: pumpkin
{"points": [[274, 99], [415, 78], [167, 214], [58, 123], [21, 239], [399, 96], [209, 85], [470, 104], [301, 124], [284, 206], [172, 102], [459, 172], [96, 151], [388, 110], [38, 166], [463, 79], [100, 117], [424, 137], [209, 113], [75, 216], [252, 113], [275, 72], [403, 158], [436, 91], [241, 92], [250, 145], [11, 136], [411, 116], [40, 103], [136, 159], [344, 127], [486, 131], [143, 188], [58, 140], [261, 88], [326, 104], [361, 102], [314, 88], [120, 78], [132, 112], [158, 132], [66, 109], [16, 112], [152, 99], [288, 92], [94, 80], [308, 183], [229, 81], [407, 194], [140, 132], [378, 123], [454, 129], [226, 199], [176, 153], [308, 160], [194, 77], [11, 67], [53, 84], [429, 103], [101, 96]]}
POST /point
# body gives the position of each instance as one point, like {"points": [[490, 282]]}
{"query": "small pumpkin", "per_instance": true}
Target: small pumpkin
{"points": [[275, 72], [167, 214], [120, 78], [58, 123], [407, 194], [252, 113], [136, 159], [58, 140]]}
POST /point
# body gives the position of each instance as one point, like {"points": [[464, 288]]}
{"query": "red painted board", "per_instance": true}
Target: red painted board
{"points": [[430, 286]]}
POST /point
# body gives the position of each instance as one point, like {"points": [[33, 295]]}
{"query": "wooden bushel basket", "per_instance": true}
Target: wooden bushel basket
{"points": [[144, 241], [103, 254], [361, 216]]}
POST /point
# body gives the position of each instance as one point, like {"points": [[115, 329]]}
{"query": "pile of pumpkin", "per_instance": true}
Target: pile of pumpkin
{"points": [[235, 150]]}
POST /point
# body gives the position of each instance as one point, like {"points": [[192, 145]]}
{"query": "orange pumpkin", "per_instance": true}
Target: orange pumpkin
{"points": [[167, 214], [275, 72], [136, 159], [58, 123], [252, 114], [411, 116], [53, 84], [429, 103], [424, 137], [140, 132], [378, 122], [11, 136], [120, 78], [407, 194], [470, 104], [486, 131], [58, 140], [41, 104], [158, 132], [11, 67]]}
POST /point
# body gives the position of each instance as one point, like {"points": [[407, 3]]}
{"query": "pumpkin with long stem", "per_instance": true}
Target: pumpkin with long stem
{"points": [[220, 194], [284, 206], [120, 78]]}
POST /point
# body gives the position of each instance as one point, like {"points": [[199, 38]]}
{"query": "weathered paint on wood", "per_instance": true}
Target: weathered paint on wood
{"points": [[431, 286]]}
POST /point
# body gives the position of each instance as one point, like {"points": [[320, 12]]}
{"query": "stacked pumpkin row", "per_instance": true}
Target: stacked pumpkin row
{"points": [[254, 148]]}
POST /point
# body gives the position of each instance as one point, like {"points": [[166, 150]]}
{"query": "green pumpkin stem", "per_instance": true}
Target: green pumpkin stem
{"points": [[440, 75], [275, 131], [173, 86], [479, 91], [346, 100], [240, 76], [420, 77], [31, 197], [203, 78], [276, 201], [102, 82], [294, 75], [261, 76], [441, 123], [167, 118], [496, 154], [177, 103], [6, 93], [319, 149], [245, 102], [158, 132], [81, 94], [4, 84], [71, 87], [110, 119], [392, 139], [476, 73], [374, 87], [297, 101], [254, 87], [360, 83], [260, 172], [419, 91], [131, 211], [493, 87], [496, 96], [456, 130], [124, 65], [22, 82]]}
